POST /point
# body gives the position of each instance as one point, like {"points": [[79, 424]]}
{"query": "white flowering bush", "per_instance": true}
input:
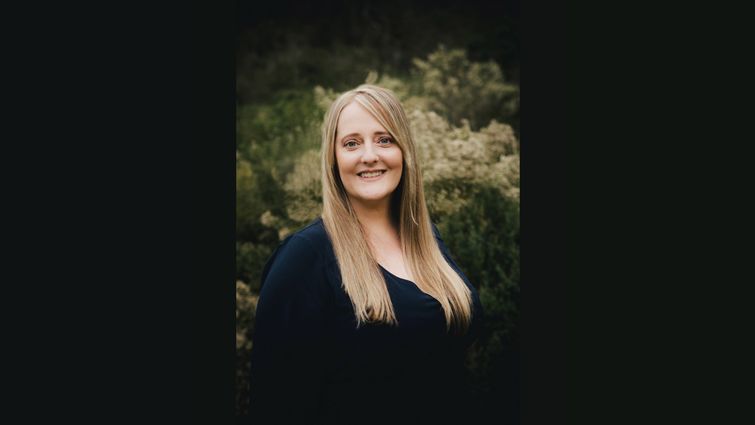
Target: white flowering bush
{"points": [[447, 153]]}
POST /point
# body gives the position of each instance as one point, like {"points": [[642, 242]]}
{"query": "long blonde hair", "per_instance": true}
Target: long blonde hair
{"points": [[361, 276]]}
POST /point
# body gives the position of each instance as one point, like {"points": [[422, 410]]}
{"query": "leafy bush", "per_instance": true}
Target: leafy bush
{"points": [[246, 303], [459, 89], [469, 155]]}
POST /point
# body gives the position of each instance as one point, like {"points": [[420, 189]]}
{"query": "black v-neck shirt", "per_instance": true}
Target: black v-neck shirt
{"points": [[309, 363]]}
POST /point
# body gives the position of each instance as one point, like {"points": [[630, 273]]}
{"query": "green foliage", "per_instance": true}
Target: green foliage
{"points": [[460, 89], [469, 155], [336, 46], [300, 66], [246, 303], [271, 134], [483, 237], [250, 259]]}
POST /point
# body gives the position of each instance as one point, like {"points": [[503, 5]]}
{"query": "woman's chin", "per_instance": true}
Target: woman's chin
{"points": [[372, 198]]}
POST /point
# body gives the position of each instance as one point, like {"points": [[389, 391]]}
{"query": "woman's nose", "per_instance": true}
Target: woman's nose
{"points": [[369, 155]]}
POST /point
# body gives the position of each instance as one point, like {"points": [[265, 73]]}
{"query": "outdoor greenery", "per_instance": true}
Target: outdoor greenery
{"points": [[463, 115]]}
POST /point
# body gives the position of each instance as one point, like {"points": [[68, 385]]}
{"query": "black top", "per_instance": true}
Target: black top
{"points": [[309, 363]]}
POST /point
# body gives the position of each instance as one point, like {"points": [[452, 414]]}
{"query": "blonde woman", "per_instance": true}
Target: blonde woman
{"points": [[363, 316]]}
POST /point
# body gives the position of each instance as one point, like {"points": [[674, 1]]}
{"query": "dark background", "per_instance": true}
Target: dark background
{"points": [[119, 164], [394, 31]]}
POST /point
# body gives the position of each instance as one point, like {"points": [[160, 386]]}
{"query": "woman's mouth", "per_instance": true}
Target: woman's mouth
{"points": [[371, 175]]}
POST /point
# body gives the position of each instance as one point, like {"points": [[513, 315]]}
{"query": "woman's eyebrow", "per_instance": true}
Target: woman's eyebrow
{"points": [[377, 133]]}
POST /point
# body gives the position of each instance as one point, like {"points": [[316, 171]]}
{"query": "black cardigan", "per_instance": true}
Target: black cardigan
{"points": [[309, 363]]}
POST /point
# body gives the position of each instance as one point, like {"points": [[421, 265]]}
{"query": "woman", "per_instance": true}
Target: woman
{"points": [[363, 317]]}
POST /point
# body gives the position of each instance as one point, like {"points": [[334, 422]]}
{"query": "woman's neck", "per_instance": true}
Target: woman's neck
{"points": [[376, 221]]}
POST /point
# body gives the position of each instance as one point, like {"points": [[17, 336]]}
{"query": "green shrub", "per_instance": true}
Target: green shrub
{"points": [[469, 155], [459, 89], [246, 303]]}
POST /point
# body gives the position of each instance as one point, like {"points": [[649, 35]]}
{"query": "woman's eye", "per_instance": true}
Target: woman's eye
{"points": [[350, 144], [384, 141]]}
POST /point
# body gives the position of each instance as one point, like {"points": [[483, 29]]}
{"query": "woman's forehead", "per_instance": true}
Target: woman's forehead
{"points": [[355, 118]]}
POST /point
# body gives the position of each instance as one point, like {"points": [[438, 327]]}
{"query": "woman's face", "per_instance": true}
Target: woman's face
{"points": [[369, 161]]}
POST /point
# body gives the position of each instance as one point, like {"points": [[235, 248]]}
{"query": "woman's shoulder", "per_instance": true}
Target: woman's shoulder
{"points": [[310, 243], [314, 233], [303, 252]]}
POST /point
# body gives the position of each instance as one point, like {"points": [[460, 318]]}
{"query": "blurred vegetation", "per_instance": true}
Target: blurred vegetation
{"points": [[246, 303], [463, 111]]}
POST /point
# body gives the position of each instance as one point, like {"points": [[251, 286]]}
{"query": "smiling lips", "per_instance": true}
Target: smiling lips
{"points": [[371, 174]]}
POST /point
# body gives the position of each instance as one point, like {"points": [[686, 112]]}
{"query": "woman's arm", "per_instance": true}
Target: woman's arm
{"points": [[287, 358]]}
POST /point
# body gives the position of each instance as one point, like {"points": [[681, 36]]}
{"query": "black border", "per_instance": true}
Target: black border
{"points": [[544, 180], [213, 212], [127, 192]]}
